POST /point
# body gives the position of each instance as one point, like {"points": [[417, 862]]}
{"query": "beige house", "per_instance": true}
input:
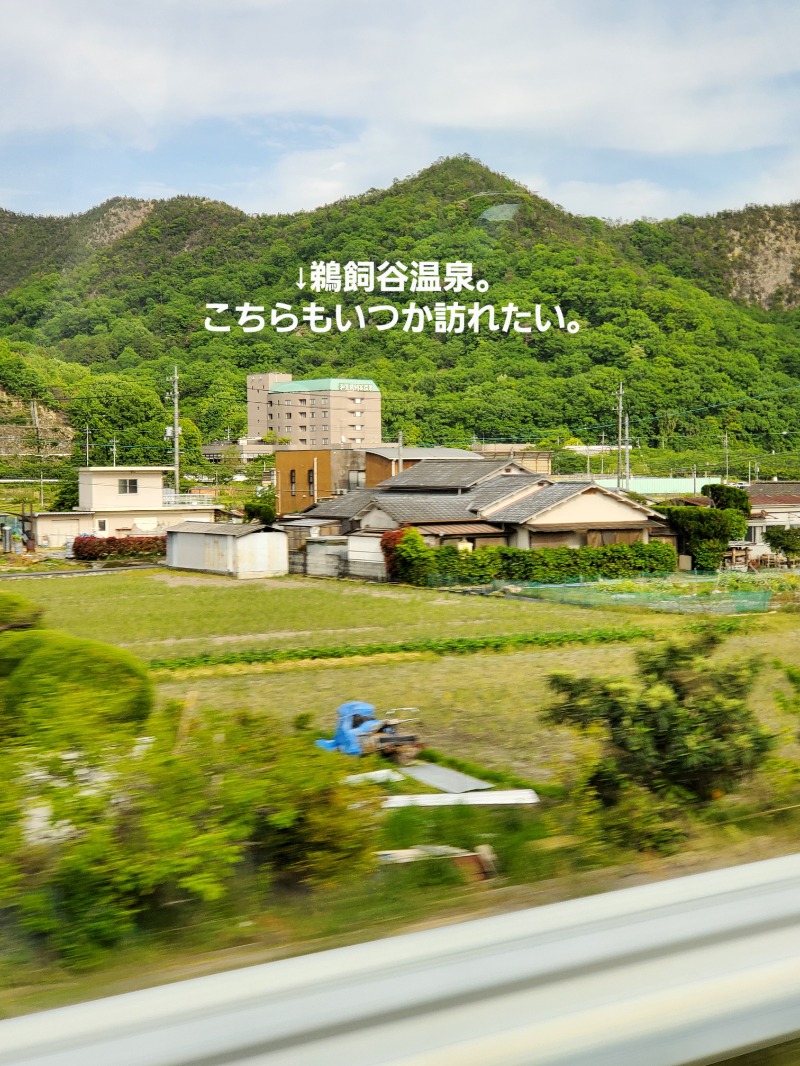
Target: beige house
{"points": [[120, 501], [482, 503]]}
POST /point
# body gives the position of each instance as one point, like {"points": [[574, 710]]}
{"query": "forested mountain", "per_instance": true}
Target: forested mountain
{"points": [[695, 316]]}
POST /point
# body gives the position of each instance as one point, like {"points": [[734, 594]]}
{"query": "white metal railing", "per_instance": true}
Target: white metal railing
{"points": [[186, 499]]}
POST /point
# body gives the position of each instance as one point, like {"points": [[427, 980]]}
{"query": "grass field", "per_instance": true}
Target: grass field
{"points": [[484, 707], [159, 614]]}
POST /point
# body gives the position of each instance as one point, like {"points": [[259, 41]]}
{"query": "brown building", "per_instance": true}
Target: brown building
{"points": [[538, 462], [319, 413], [305, 476]]}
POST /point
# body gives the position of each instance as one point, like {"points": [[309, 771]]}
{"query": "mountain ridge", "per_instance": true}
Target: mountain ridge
{"points": [[119, 310]]}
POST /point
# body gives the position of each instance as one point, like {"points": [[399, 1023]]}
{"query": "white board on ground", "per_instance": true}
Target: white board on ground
{"points": [[523, 797]]}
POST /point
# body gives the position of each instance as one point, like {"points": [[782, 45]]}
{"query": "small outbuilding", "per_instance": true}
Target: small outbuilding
{"points": [[242, 551]]}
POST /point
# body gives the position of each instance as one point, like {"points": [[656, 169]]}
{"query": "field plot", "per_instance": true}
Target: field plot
{"points": [[158, 614]]}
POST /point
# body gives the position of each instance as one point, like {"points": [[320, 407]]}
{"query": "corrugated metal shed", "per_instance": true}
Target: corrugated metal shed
{"points": [[219, 529]]}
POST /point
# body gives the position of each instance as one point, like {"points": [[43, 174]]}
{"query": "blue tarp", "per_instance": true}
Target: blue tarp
{"points": [[346, 737]]}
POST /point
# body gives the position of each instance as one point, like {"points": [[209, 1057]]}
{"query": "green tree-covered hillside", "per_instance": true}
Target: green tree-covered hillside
{"points": [[119, 307]]}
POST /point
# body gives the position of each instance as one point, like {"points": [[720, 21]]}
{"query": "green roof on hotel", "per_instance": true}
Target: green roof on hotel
{"points": [[325, 385]]}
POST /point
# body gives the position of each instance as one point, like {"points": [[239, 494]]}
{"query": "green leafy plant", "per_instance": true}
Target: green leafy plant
{"points": [[679, 723]]}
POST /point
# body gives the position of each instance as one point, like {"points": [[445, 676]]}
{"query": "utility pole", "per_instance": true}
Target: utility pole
{"points": [[400, 452], [602, 451], [725, 442], [694, 480], [627, 452], [749, 464], [619, 436], [113, 451], [176, 432], [87, 443]]}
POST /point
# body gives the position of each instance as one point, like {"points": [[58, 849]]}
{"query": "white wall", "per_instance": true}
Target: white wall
{"points": [[99, 489], [365, 558]]}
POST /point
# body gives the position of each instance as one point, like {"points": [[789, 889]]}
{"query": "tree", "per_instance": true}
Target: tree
{"points": [[262, 509], [784, 539], [679, 723], [705, 532], [727, 497]]}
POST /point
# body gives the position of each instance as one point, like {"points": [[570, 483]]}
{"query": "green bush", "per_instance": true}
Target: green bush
{"points": [[18, 613], [71, 691], [678, 723], [414, 562], [176, 820], [704, 532]]}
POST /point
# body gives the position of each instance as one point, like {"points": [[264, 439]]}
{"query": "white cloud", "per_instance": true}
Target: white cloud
{"points": [[610, 74], [647, 80], [304, 179]]}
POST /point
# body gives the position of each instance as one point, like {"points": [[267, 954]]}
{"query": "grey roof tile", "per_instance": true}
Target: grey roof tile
{"points": [[346, 506], [445, 474], [539, 501]]}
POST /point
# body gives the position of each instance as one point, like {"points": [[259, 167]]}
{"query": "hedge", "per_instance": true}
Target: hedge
{"points": [[118, 547], [415, 563], [445, 646]]}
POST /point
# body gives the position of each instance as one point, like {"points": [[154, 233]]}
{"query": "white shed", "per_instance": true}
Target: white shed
{"points": [[243, 551]]}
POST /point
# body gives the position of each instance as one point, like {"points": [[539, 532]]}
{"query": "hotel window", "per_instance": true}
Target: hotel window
{"points": [[312, 402], [303, 440], [293, 482], [311, 481], [325, 440], [302, 402], [288, 414], [128, 486], [312, 414], [325, 429]]}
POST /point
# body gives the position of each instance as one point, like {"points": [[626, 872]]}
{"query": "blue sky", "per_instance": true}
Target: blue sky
{"points": [[620, 110]]}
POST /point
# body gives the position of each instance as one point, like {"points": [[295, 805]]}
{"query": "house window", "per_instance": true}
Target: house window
{"points": [[101, 525], [128, 486], [293, 482]]}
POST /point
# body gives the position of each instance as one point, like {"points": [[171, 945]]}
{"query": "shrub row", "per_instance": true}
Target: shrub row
{"points": [[447, 646], [118, 547], [410, 560]]}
